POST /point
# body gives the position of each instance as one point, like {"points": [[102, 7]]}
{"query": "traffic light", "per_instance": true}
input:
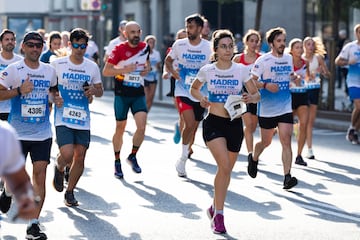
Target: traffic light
{"points": [[104, 6]]}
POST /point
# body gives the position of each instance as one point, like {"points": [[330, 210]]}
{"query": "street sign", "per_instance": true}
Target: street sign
{"points": [[90, 5]]}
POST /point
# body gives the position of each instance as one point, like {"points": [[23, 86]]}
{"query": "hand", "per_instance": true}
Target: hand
{"points": [[129, 68], [27, 86], [204, 102], [146, 70], [297, 80], [166, 75], [246, 97], [89, 91], [90, 99], [352, 61], [27, 207], [58, 100], [176, 75], [272, 87]]}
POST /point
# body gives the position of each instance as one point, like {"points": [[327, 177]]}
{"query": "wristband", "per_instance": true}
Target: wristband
{"points": [[264, 85], [18, 91]]}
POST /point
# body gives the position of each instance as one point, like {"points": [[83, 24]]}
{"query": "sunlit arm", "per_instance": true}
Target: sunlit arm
{"points": [[110, 70], [253, 95], [8, 93], [195, 92], [169, 66]]}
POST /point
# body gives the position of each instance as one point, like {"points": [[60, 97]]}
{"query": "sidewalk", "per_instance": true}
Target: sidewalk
{"points": [[335, 120]]}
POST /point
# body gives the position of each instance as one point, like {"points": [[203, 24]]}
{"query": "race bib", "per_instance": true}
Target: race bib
{"points": [[133, 80], [75, 116], [33, 112]]}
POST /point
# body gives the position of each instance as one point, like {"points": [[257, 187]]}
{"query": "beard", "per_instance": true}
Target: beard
{"points": [[134, 41], [9, 47], [280, 50], [192, 37]]}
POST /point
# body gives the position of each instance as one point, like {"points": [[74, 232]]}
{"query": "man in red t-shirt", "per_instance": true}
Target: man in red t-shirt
{"points": [[129, 63]]}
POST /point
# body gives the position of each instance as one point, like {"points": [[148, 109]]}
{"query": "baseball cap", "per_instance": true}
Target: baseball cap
{"points": [[33, 36]]}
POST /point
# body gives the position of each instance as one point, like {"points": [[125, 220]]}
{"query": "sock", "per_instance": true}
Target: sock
{"points": [[117, 155], [219, 212], [134, 150], [185, 150], [7, 193], [33, 221]]}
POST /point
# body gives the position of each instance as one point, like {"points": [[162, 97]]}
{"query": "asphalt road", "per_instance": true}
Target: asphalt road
{"points": [[157, 204]]}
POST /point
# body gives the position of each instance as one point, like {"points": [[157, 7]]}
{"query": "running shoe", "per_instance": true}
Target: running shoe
{"points": [[180, 167], [352, 136], [289, 182], [118, 171], [217, 224], [70, 200], [252, 166], [67, 173], [310, 154], [177, 134], [34, 232], [299, 160], [210, 212], [58, 181], [5, 202], [134, 164]]}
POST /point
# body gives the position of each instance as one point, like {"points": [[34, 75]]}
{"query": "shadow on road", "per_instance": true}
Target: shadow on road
{"points": [[86, 218], [162, 201]]}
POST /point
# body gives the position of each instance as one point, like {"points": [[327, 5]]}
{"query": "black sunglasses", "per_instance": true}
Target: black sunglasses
{"points": [[32, 44], [76, 45]]}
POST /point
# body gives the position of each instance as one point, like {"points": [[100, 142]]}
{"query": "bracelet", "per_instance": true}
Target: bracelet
{"points": [[18, 91], [264, 85]]}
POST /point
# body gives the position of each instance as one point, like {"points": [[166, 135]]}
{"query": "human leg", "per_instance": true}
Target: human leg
{"points": [[76, 170], [309, 129], [355, 115], [303, 113], [250, 122], [121, 109], [285, 133], [138, 138], [225, 161], [352, 134], [150, 93], [187, 136], [77, 166], [265, 141]]}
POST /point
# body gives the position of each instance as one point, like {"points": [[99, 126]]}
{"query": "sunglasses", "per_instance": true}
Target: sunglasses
{"points": [[32, 45], [81, 46]]}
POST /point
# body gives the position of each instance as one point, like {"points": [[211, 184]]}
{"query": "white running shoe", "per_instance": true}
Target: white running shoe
{"points": [[310, 154], [180, 167]]}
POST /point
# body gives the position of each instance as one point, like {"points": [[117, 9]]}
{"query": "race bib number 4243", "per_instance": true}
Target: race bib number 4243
{"points": [[76, 114]]}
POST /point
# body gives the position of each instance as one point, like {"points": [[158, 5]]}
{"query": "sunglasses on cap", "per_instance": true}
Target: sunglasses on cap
{"points": [[81, 46], [32, 45]]}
